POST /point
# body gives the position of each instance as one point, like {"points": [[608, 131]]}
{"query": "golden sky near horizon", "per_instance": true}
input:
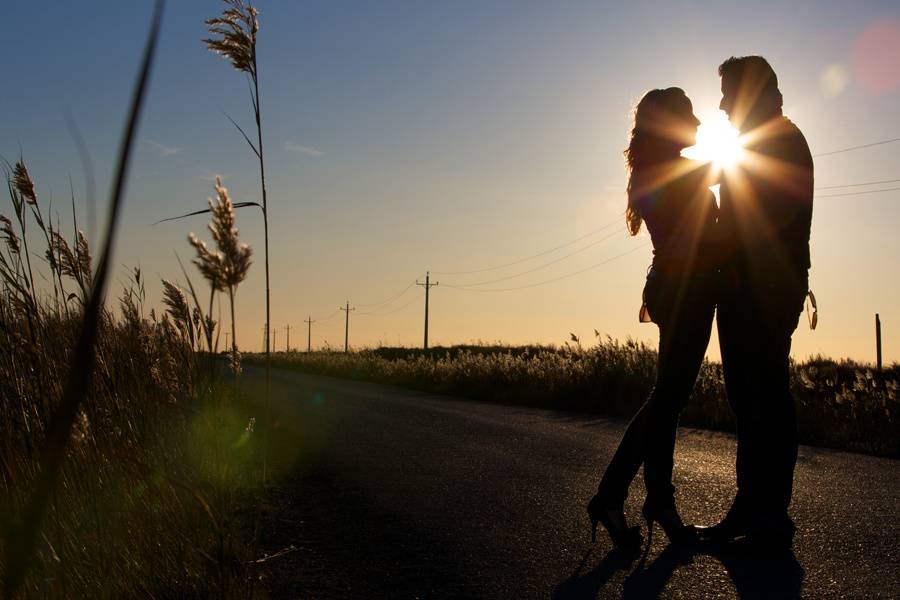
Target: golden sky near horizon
{"points": [[456, 139]]}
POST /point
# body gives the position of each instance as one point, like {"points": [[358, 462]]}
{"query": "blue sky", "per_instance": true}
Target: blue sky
{"points": [[407, 136]]}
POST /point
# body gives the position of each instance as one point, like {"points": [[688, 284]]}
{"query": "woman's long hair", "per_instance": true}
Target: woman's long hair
{"points": [[654, 141]]}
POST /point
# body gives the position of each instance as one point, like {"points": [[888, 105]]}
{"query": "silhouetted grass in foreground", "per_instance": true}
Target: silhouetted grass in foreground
{"points": [[162, 455], [840, 404]]}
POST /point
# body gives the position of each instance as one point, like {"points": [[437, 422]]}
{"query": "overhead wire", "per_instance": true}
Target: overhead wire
{"points": [[893, 189], [539, 267], [555, 279], [860, 147], [533, 256], [389, 300], [331, 316], [847, 185], [390, 312]]}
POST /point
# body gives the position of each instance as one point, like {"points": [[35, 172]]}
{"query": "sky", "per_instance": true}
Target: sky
{"points": [[452, 137]]}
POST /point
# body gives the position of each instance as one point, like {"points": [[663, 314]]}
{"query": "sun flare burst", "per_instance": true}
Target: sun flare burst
{"points": [[717, 142]]}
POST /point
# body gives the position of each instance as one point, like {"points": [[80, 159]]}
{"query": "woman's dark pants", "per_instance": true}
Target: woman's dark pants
{"points": [[684, 312]]}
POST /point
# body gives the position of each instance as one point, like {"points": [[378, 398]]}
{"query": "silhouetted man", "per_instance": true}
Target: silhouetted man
{"points": [[766, 210]]}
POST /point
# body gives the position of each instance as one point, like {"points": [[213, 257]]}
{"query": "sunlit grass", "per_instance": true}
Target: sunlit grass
{"points": [[162, 451], [840, 404]]}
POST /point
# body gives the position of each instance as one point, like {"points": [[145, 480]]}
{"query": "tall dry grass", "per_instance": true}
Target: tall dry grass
{"points": [[124, 459], [161, 455]]}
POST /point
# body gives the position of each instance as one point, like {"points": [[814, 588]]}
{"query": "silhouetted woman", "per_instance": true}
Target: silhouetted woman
{"points": [[671, 195]]}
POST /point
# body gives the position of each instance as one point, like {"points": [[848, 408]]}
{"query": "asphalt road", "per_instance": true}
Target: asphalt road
{"points": [[385, 492]]}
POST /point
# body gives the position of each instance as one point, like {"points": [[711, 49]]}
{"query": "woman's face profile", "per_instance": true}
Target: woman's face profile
{"points": [[684, 123]]}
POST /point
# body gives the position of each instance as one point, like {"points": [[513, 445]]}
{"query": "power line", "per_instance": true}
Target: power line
{"points": [[391, 299], [858, 193], [834, 187], [539, 254], [579, 272], [539, 267], [390, 312], [891, 141], [331, 316]]}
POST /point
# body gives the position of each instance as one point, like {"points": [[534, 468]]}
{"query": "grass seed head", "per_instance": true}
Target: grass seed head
{"points": [[177, 305], [210, 263], [234, 35], [235, 255], [23, 182], [9, 235]]}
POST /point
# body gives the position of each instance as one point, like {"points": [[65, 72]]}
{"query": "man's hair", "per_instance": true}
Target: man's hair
{"points": [[754, 73], [739, 67]]}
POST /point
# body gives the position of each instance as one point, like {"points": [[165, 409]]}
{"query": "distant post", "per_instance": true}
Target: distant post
{"points": [[878, 340], [274, 338], [309, 323], [288, 328], [346, 324], [427, 285]]}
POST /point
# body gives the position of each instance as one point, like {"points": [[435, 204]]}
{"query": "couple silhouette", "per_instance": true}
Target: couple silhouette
{"points": [[743, 263]]}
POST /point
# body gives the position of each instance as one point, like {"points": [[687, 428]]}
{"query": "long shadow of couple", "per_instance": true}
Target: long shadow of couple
{"points": [[770, 577]]}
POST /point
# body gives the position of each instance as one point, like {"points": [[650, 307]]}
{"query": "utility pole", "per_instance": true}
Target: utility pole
{"points": [[274, 338], [288, 328], [309, 321], [878, 339], [346, 323], [427, 285]]}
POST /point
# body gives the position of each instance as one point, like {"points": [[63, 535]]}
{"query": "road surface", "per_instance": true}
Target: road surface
{"points": [[386, 492]]}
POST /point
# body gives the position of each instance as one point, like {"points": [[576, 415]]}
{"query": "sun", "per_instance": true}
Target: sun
{"points": [[717, 142]]}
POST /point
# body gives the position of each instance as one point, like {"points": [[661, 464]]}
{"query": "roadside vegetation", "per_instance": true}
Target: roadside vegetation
{"points": [[128, 454], [840, 404], [162, 450]]}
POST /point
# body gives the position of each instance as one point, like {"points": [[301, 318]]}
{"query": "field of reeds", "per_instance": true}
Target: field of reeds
{"points": [[162, 452], [128, 455], [840, 404]]}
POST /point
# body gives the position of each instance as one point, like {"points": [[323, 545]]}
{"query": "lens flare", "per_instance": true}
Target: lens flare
{"points": [[717, 142]]}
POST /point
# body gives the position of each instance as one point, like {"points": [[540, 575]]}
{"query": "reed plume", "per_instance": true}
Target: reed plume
{"points": [[226, 267], [234, 37], [23, 182], [237, 27], [9, 235], [178, 309]]}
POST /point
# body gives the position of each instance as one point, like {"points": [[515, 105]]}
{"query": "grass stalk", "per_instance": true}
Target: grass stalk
{"points": [[265, 211], [23, 544]]}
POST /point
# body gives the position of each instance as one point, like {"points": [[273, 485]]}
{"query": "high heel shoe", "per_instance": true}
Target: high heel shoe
{"points": [[671, 523], [625, 538]]}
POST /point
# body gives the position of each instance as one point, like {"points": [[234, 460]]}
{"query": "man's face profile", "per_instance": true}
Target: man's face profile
{"points": [[729, 93]]}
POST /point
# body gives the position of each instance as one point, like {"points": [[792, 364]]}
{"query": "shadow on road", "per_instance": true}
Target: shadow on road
{"points": [[780, 577], [588, 585], [753, 578]]}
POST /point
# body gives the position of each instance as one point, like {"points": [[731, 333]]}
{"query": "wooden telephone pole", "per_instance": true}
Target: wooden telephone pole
{"points": [[878, 339], [427, 285], [309, 321], [288, 328], [346, 324]]}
